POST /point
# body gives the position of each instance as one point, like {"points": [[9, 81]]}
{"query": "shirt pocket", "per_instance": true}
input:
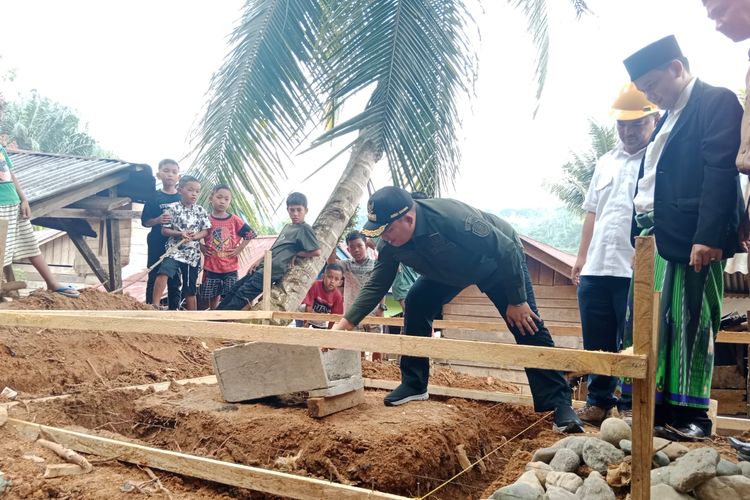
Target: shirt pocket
{"points": [[604, 181]]}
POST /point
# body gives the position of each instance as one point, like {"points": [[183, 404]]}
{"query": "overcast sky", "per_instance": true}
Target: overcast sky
{"points": [[137, 72]]}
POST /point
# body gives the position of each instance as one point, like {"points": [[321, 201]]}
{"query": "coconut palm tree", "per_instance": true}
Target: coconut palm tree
{"points": [[292, 65]]}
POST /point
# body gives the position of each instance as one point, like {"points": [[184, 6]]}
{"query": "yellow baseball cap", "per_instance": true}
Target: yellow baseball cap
{"points": [[632, 104]]}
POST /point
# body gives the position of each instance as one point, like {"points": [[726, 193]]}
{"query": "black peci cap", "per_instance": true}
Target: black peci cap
{"points": [[385, 206], [652, 56]]}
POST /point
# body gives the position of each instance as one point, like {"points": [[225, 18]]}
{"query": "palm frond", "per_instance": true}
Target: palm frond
{"points": [[418, 56], [537, 25], [572, 187], [260, 101]]}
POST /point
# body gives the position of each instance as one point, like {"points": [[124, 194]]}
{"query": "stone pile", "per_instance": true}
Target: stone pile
{"points": [[594, 467]]}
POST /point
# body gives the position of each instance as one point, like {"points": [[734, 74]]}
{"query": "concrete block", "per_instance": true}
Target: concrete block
{"points": [[256, 370], [341, 364]]}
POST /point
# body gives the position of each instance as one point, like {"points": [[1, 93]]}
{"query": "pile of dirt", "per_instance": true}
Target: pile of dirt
{"points": [[439, 376], [40, 362], [407, 451], [89, 299]]}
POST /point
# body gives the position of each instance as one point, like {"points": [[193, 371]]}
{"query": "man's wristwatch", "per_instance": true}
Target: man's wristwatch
{"points": [[382, 306]]}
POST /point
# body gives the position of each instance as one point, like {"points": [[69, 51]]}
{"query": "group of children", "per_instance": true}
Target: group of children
{"points": [[182, 231]]}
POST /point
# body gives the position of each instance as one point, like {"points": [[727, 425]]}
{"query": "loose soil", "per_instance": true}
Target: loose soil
{"points": [[406, 450]]}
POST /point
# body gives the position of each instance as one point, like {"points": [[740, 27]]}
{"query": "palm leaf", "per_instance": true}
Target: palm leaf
{"points": [[417, 54], [260, 101]]}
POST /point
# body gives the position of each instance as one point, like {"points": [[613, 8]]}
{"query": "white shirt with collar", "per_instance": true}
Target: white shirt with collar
{"points": [[644, 200], [610, 197]]}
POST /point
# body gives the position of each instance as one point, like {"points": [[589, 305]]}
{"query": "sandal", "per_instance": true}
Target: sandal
{"points": [[68, 291]]}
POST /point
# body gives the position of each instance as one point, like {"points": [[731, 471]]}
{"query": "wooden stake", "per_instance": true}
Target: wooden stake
{"points": [[322, 407], [3, 240], [267, 263], [243, 476], [645, 338], [604, 363]]}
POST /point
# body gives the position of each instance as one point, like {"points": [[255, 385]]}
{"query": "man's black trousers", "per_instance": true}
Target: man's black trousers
{"points": [[425, 301]]}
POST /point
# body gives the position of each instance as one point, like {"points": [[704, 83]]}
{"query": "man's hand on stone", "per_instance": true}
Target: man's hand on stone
{"points": [[522, 317]]}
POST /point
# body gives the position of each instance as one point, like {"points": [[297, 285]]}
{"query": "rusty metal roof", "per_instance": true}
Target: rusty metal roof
{"points": [[43, 175]]}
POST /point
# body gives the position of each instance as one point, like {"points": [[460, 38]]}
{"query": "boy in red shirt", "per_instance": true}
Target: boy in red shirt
{"points": [[324, 296], [226, 239]]}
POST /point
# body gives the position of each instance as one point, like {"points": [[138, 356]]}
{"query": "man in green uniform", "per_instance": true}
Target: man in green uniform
{"points": [[452, 245]]}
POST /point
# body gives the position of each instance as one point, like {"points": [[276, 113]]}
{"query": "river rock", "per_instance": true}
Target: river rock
{"points": [[675, 450], [517, 491], [544, 454], [613, 430], [660, 459], [566, 480], [565, 460], [557, 493], [744, 465], [660, 475], [531, 479], [693, 468], [576, 443], [598, 454], [724, 488], [626, 445], [541, 470], [727, 468], [666, 492], [595, 488]]}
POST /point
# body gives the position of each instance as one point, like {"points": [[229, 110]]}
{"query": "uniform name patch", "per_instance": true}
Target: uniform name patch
{"points": [[477, 225]]}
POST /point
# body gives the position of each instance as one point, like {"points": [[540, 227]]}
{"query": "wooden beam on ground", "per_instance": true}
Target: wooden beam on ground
{"points": [[322, 407], [84, 213], [42, 207], [604, 363], [645, 337], [733, 424], [456, 392], [243, 476], [91, 259]]}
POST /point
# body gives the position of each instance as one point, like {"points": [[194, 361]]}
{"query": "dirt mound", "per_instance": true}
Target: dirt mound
{"points": [[439, 376], [90, 299], [40, 362], [407, 450]]}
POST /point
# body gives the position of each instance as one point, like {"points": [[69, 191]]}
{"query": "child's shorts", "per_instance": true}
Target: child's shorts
{"points": [[188, 273], [217, 284]]}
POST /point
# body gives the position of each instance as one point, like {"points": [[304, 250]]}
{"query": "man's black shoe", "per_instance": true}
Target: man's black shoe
{"points": [[743, 456], [689, 432], [739, 445], [403, 394], [567, 421]]}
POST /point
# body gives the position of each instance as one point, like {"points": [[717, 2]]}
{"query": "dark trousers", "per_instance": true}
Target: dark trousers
{"points": [[243, 292], [174, 296], [425, 301], [603, 301]]}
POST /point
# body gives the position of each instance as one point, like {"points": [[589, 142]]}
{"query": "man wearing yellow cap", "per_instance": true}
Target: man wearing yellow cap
{"points": [[688, 197], [604, 265]]}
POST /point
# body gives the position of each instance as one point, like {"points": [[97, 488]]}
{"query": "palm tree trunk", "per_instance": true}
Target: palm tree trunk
{"points": [[289, 292]]}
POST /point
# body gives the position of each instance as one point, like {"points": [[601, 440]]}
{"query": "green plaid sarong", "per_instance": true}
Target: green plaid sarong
{"points": [[689, 318]]}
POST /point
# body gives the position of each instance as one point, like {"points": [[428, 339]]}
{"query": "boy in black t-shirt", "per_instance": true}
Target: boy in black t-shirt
{"points": [[153, 216], [296, 240]]}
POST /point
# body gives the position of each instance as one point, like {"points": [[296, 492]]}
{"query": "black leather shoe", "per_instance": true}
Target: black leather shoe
{"points": [[739, 445], [689, 432], [567, 421], [743, 456]]}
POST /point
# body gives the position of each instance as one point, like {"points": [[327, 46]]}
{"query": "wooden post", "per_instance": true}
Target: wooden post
{"points": [[91, 259], [114, 260], [267, 281], [645, 338]]}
